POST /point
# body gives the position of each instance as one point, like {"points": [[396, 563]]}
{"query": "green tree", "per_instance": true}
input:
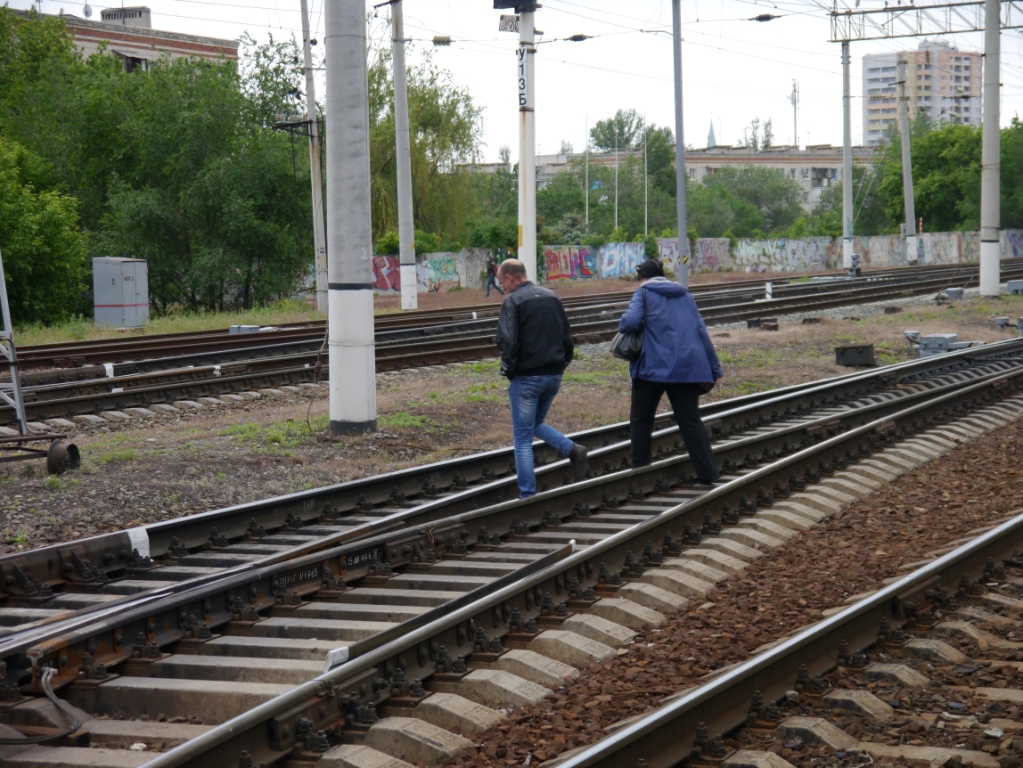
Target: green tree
{"points": [[624, 130], [778, 199], [42, 247]]}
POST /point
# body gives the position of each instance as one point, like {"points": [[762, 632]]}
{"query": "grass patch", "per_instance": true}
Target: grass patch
{"points": [[53, 483], [483, 366], [118, 454], [276, 435], [480, 398], [403, 420]]}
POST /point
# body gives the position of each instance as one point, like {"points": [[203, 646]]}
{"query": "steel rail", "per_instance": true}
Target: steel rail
{"points": [[269, 731], [102, 636], [206, 346], [136, 391], [22, 573]]}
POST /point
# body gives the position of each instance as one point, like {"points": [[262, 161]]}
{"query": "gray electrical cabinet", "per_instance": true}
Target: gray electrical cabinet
{"points": [[120, 292]]}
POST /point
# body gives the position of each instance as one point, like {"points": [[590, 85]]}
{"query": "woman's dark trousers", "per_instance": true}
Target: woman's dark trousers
{"points": [[684, 400]]}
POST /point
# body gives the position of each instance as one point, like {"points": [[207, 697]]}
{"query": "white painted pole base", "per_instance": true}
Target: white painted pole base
{"points": [[847, 253], [353, 396], [768, 290], [409, 287], [989, 268], [912, 255]]}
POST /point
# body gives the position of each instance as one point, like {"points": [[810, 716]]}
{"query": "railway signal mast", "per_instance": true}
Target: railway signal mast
{"points": [[932, 20]]}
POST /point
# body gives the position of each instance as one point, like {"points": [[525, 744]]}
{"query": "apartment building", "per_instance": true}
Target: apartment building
{"points": [[941, 81], [128, 33]]}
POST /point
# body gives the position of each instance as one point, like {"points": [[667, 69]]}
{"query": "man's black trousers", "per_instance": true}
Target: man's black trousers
{"points": [[684, 400]]}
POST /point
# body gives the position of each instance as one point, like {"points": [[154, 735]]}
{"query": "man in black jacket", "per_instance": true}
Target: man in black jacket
{"points": [[536, 346]]}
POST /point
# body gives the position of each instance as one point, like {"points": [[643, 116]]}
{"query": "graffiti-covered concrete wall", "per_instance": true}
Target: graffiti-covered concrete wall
{"points": [[386, 274], [616, 260], [437, 272], [1012, 243], [570, 262], [809, 254], [876, 251]]}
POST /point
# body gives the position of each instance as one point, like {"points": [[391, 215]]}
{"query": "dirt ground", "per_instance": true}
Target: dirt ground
{"points": [[144, 471]]}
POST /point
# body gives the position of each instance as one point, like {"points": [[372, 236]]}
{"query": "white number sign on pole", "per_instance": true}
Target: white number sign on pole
{"points": [[508, 24], [523, 76]]}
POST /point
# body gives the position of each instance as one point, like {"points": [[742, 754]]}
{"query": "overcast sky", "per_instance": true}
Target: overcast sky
{"points": [[734, 69]]}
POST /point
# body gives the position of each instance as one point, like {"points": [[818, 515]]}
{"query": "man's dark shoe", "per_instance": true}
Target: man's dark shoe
{"points": [[577, 457]]}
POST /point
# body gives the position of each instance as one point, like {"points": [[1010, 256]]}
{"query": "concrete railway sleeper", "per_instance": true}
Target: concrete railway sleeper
{"points": [[646, 541], [188, 384], [46, 585]]}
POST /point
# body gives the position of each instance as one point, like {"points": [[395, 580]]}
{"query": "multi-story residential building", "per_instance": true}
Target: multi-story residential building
{"points": [[128, 34], [941, 81], [815, 168]]}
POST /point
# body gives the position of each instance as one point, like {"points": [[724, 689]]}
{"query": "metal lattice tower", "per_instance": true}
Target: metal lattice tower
{"points": [[10, 393]]}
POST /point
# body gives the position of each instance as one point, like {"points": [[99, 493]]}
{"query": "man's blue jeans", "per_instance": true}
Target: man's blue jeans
{"points": [[531, 398]]}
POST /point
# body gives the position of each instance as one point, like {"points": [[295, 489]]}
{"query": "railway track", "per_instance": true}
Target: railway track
{"points": [[452, 607], [141, 384]]}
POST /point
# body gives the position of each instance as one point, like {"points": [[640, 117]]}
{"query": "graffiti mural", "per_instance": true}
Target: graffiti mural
{"points": [[877, 251], [970, 246], [1012, 243], [617, 260], [569, 262], [387, 274], [806, 255], [437, 272], [941, 247]]}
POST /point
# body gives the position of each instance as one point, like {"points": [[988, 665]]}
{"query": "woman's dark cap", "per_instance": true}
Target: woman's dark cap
{"points": [[648, 269]]}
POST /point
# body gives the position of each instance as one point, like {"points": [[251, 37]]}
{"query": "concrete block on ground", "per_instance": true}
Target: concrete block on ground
{"points": [[165, 408], [787, 519], [290, 388], [187, 405], [535, 667], [678, 582], [859, 701], [116, 416], [59, 424], [599, 629], [231, 398], [121, 734], [817, 731], [903, 674], [760, 523], [731, 548], [266, 392], [839, 497], [722, 561], [8, 432], [810, 504], [76, 757], [695, 568], [933, 650], [496, 688], [90, 419], [414, 740], [456, 713], [210, 401], [570, 648], [654, 598], [359, 756], [140, 412], [250, 395], [904, 754], [751, 537], [627, 613], [37, 427]]}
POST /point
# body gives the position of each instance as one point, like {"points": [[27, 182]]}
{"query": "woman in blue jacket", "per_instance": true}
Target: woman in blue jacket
{"points": [[677, 357]]}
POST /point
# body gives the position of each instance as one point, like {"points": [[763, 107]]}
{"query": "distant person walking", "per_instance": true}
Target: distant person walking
{"points": [[492, 278], [536, 346], [677, 357]]}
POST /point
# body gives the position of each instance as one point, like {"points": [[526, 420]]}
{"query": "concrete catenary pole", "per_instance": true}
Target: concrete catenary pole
{"points": [[319, 235], [847, 174], [406, 226], [680, 147], [353, 401], [990, 192], [907, 160], [525, 73]]}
